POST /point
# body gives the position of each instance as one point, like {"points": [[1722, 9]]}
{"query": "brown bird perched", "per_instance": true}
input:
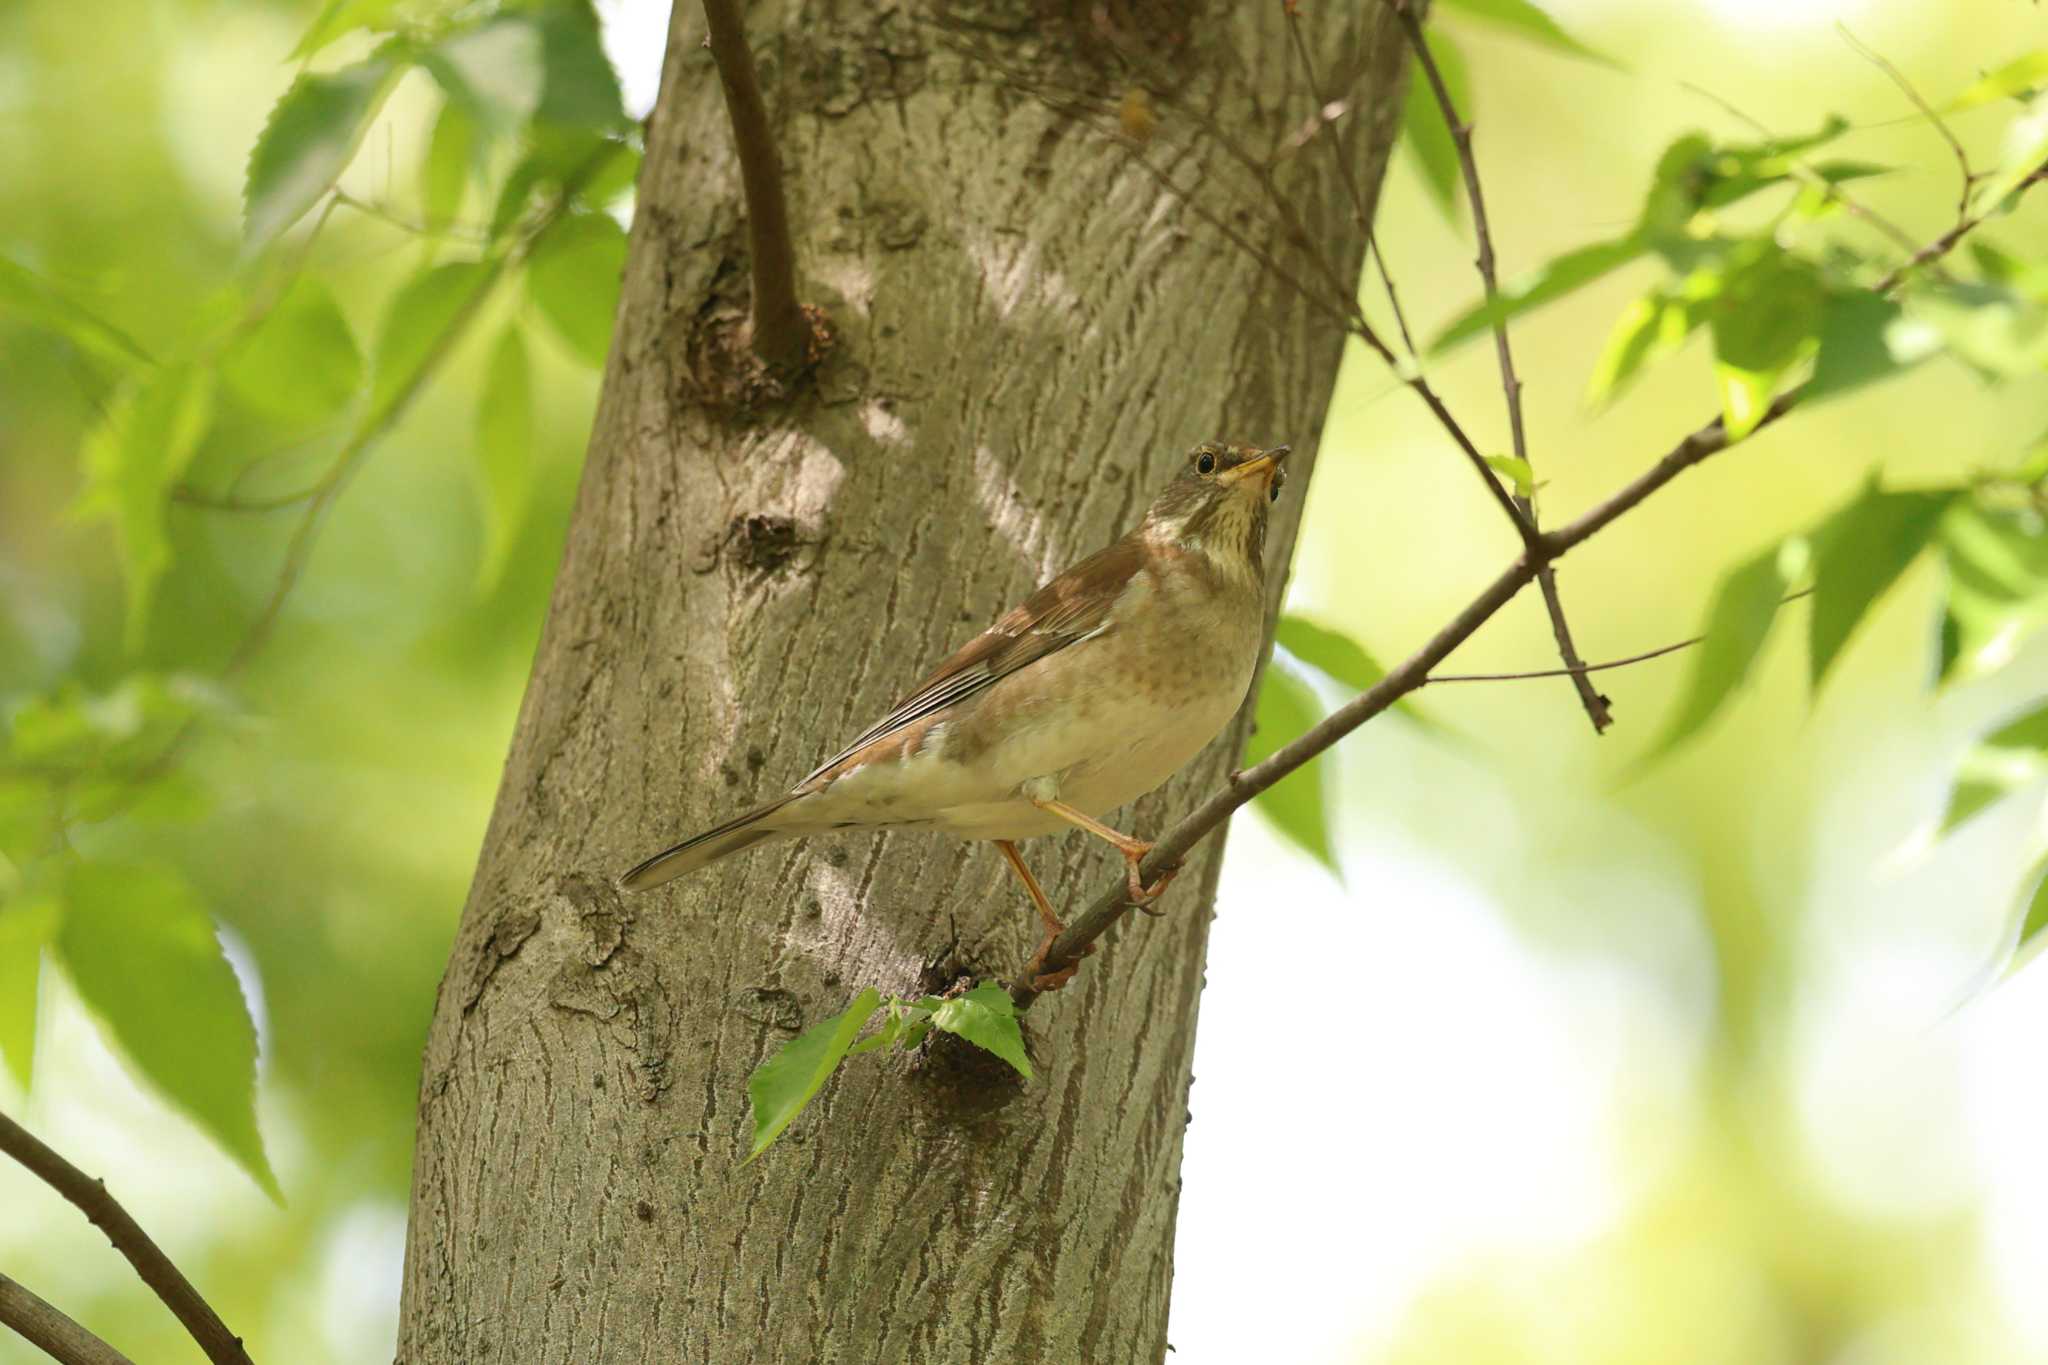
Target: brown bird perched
{"points": [[1102, 685]]}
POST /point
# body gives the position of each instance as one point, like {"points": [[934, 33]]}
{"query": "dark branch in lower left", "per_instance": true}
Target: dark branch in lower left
{"points": [[50, 1330]]}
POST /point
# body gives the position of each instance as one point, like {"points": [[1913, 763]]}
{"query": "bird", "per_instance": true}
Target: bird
{"points": [[1090, 693]]}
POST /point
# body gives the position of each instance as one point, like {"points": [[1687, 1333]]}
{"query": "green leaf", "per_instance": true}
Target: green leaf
{"points": [[1336, 654], [1650, 328], [312, 135], [1996, 330], [496, 71], [1854, 347], [2032, 917], [1527, 21], [27, 924], [2021, 76], [1515, 471], [781, 1087], [424, 318], [27, 817], [1422, 121], [1997, 578], [1553, 280], [1987, 774], [1295, 804], [142, 445], [142, 952], [300, 364], [1763, 322], [504, 451], [573, 277], [452, 152], [581, 90], [2023, 152], [41, 303], [1738, 621], [1858, 553], [339, 18], [987, 1018]]}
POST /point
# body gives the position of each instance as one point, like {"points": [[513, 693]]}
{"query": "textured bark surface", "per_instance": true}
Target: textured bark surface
{"points": [[1031, 333]]}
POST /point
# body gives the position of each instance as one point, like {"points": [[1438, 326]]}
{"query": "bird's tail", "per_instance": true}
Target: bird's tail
{"points": [[708, 847]]}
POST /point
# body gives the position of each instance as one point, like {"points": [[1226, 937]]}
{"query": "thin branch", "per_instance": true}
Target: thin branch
{"points": [[1596, 705], [1406, 677], [1625, 661], [781, 331], [1945, 243], [50, 1330], [91, 1198], [1898, 78]]}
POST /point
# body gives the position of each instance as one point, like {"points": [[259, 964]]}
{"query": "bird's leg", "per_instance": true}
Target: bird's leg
{"points": [[1134, 851], [1040, 981]]}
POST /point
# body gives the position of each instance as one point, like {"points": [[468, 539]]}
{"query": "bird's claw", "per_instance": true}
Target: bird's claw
{"points": [[1140, 895], [1044, 981]]}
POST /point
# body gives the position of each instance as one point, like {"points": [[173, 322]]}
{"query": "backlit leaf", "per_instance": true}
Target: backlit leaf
{"points": [[38, 302], [300, 364], [1295, 805], [1738, 621], [452, 151], [495, 71], [312, 135], [1555, 279], [2017, 77], [1996, 330], [140, 448], [1526, 20], [573, 277], [425, 317], [27, 924], [1857, 554], [1854, 345], [142, 952], [781, 1086], [339, 18], [1422, 121], [504, 449], [1997, 580], [2022, 153], [1764, 321]]}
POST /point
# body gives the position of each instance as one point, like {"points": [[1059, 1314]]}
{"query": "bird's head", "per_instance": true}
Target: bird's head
{"points": [[1217, 504]]}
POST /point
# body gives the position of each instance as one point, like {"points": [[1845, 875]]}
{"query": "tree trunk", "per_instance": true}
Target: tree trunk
{"points": [[1030, 332]]}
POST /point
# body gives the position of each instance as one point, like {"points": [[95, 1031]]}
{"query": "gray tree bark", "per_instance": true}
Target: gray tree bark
{"points": [[1031, 331]]}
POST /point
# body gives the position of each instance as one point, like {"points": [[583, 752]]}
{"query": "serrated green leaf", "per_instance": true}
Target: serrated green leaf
{"points": [[2022, 152], [495, 71], [339, 18], [38, 302], [1738, 621], [1763, 322], [2018, 77], [1422, 121], [425, 316], [504, 451], [145, 439], [781, 1086], [311, 136], [1527, 21], [300, 364], [1295, 804], [573, 277], [987, 1018], [452, 151], [141, 949], [1997, 581], [1552, 281], [27, 925], [1858, 553]]}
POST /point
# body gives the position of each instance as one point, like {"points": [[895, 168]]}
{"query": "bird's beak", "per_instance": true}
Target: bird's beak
{"points": [[1264, 467]]}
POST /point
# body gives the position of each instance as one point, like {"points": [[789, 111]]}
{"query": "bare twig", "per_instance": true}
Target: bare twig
{"points": [[52, 1331], [1898, 78], [1406, 677], [91, 1198], [1625, 661], [1945, 243], [781, 331], [1596, 705]]}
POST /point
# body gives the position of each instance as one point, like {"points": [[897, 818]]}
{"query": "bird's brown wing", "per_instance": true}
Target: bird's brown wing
{"points": [[1071, 608]]}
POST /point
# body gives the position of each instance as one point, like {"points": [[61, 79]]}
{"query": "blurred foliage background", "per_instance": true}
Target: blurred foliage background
{"points": [[1591, 1061]]}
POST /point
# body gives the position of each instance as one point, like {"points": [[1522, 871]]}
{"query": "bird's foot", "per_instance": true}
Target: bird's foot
{"points": [[1035, 973], [1139, 894]]}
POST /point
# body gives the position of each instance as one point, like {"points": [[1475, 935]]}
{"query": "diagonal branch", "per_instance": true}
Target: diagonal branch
{"points": [[781, 331], [221, 1346], [50, 1330], [1406, 677], [1597, 709]]}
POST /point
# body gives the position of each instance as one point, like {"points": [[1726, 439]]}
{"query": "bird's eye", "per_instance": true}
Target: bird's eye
{"points": [[1206, 464]]}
